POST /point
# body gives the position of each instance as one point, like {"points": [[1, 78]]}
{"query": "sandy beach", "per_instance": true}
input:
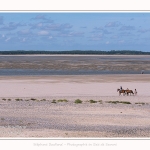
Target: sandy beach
{"points": [[44, 106]]}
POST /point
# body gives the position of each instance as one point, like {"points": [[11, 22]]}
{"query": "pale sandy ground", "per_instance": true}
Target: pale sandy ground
{"points": [[42, 118]]}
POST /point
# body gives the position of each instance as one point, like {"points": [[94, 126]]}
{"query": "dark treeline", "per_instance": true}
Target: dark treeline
{"points": [[86, 52]]}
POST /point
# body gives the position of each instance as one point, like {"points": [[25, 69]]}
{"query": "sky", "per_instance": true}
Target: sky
{"points": [[75, 31]]}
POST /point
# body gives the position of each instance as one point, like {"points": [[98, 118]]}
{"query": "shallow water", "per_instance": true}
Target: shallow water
{"points": [[34, 72]]}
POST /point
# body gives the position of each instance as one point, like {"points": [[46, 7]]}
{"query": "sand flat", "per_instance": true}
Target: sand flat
{"points": [[23, 116], [47, 86]]}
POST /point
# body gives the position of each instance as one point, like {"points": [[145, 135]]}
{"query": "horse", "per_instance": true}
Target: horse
{"points": [[121, 91], [129, 91]]}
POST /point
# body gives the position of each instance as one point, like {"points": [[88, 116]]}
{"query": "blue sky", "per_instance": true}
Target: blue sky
{"points": [[75, 31]]}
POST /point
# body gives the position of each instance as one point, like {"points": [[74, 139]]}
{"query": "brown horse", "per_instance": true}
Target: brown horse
{"points": [[121, 91], [129, 91]]}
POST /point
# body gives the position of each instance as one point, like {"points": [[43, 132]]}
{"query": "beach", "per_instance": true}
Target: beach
{"points": [[44, 106]]}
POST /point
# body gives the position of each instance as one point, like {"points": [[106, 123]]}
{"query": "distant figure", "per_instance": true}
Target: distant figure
{"points": [[135, 92], [142, 72], [120, 88], [129, 92]]}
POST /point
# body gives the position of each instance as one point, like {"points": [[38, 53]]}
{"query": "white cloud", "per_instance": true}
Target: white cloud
{"points": [[24, 39], [96, 37], [113, 24], [7, 39], [50, 37], [39, 17], [39, 24], [121, 41], [42, 18], [72, 34], [101, 29], [43, 32], [107, 42], [57, 27], [144, 30], [35, 25], [24, 32], [12, 26], [127, 28], [115, 37]]}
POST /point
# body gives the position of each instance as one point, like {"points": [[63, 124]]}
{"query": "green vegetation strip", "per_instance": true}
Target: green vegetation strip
{"points": [[18, 99], [78, 101], [62, 100], [116, 102], [92, 101], [140, 103], [54, 101], [43, 99], [33, 99]]}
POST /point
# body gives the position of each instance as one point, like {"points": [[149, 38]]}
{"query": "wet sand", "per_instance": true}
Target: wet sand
{"points": [[134, 63]]}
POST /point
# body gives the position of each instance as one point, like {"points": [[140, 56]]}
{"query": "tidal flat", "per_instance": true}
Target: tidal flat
{"points": [[74, 64]]}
